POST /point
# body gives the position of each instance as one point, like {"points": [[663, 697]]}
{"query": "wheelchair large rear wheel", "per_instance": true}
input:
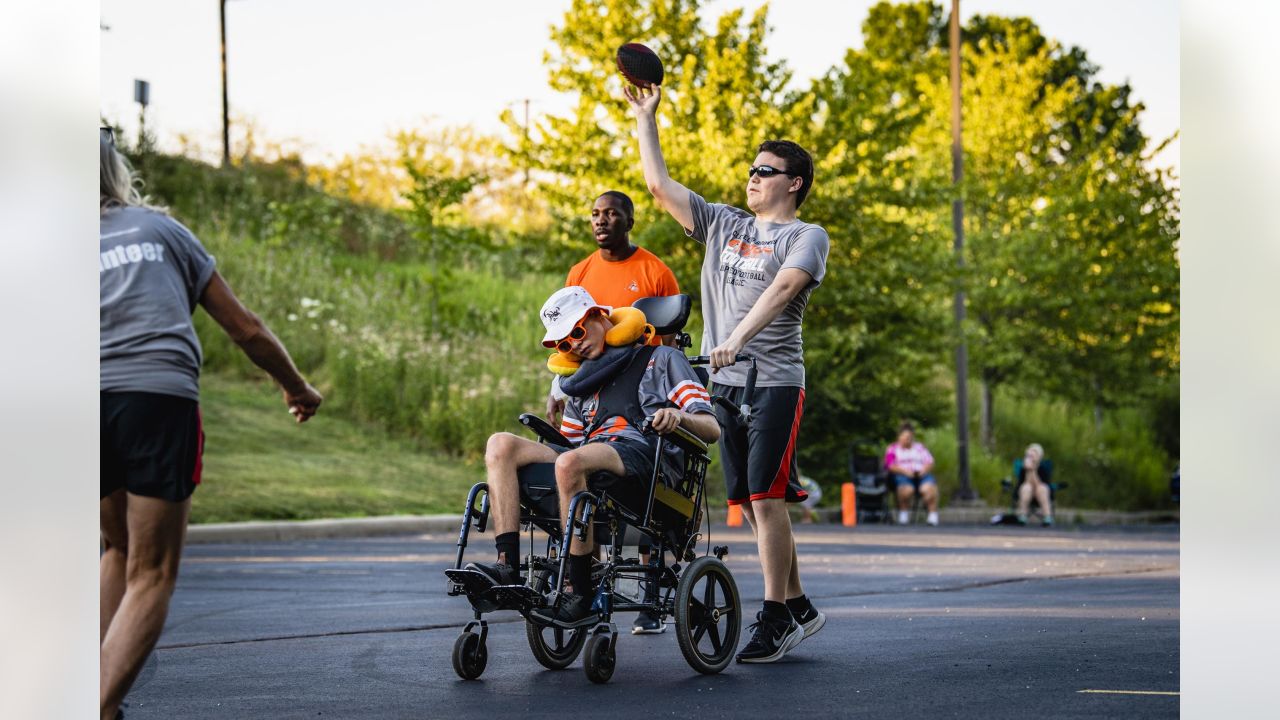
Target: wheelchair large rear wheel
{"points": [[555, 648], [708, 615]]}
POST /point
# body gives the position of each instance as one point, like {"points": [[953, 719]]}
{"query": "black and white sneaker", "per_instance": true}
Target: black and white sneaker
{"points": [[570, 611], [773, 638], [648, 623], [811, 621], [499, 573]]}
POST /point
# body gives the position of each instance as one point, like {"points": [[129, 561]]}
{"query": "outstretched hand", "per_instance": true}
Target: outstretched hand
{"points": [[643, 101]]}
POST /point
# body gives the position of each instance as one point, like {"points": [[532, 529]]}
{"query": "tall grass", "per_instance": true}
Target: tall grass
{"points": [[444, 355]]}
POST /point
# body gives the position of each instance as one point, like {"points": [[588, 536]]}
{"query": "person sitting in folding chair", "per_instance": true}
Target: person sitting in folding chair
{"points": [[910, 464], [1034, 478], [611, 395]]}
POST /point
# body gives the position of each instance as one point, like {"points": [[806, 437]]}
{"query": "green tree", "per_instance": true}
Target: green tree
{"points": [[721, 98], [876, 332], [1070, 236]]}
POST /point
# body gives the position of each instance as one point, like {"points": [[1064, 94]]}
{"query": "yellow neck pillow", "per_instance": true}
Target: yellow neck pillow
{"points": [[629, 327]]}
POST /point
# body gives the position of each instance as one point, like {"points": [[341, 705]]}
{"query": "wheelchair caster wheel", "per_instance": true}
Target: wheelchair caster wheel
{"points": [[469, 656], [599, 659]]}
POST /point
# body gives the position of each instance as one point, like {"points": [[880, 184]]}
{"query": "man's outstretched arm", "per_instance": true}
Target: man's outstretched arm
{"points": [[671, 195]]}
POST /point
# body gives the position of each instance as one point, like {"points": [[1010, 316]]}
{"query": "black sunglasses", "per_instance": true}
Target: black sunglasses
{"points": [[767, 171], [107, 135]]}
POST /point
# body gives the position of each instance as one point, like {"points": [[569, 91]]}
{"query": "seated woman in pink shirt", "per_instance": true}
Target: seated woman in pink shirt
{"points": [[909, 464]]}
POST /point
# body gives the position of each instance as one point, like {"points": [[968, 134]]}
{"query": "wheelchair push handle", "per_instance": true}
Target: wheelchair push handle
{"points": [[743, 411]]}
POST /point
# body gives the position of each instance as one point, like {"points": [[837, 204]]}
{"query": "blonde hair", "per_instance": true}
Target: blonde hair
{"points": [[1036, 449], [117, 183]]}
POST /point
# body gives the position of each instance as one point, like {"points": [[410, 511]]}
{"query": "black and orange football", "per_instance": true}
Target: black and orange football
{"points": [[639, 65]]}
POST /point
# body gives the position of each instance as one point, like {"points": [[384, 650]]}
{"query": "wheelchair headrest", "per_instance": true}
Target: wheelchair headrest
{"points": [[666, 314]]}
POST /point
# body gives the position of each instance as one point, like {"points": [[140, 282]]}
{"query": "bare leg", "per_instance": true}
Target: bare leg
{"points": [[1024, 498], [572, 469], [929, 493], [1042, 495], [794, 589], [772, 526], [115, 551], [906, 494], [504, 454], [156, 529]]}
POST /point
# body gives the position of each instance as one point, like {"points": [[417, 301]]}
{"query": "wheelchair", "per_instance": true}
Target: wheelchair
{"points": [[667, 513], [1011, 485]]}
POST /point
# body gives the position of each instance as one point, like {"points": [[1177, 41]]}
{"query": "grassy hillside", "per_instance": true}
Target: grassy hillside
{"points": [[260, 465]]}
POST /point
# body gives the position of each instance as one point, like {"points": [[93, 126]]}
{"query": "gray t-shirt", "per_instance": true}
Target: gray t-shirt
{"points": [[744, 256], [152, 272]]}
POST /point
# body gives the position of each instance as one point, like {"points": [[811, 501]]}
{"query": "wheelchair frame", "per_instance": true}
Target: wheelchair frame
{"points": [[699, 614]]}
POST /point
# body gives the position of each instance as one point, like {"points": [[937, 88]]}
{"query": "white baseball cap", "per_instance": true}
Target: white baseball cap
{"points": [[564, 309]]}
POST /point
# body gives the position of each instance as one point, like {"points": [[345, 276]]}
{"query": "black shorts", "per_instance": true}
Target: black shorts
{"points": [[151, 445], [759, 460], [538, 481]]}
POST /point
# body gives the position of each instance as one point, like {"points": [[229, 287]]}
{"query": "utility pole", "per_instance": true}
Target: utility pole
{"points": [[226, 132], [965, 493], [142, 96]]}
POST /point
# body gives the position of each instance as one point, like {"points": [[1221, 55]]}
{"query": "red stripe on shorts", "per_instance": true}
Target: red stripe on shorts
{"points": [[195, 476], [778, 488]]}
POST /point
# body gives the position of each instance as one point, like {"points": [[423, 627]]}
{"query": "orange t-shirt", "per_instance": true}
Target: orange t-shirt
{"points": [[620, 284]]}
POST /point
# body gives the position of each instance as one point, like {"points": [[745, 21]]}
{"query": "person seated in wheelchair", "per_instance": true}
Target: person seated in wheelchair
{"points": [[1033, 476], [909, 464], [619, 384]]}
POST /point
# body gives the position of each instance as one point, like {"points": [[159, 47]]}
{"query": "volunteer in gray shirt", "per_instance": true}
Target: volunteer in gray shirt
{"points": [[759, 270], [152, 273]]}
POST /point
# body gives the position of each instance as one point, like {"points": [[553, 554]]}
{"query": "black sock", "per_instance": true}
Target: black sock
{"points": [[798, 605], [509, 544], [777, 610], [580, 573]]}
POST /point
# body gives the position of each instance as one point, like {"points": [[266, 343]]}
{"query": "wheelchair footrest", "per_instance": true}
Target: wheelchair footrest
{"points": [[487, 597]]}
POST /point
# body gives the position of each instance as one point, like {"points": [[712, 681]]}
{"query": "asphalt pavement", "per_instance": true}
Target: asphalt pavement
{"points": [[922, 622]]}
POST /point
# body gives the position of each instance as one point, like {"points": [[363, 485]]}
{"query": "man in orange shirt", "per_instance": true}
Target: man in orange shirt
{"points": [[617, 275], [620, 273]]}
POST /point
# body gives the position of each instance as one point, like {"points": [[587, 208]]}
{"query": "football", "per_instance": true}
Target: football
{"points": [[639, 65]]}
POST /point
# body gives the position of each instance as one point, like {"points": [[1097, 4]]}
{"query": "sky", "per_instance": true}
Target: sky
{"points": [[330, 78]]}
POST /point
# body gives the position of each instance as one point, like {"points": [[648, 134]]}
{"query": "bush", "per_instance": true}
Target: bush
{"points": [[1120, 467]]}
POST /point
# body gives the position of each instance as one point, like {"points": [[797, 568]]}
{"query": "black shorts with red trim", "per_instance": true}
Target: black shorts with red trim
{"points": [[759, 459], [151, 445]]}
